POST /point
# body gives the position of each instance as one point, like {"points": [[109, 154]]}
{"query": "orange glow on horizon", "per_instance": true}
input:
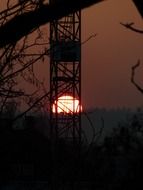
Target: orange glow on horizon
{"points": [[66, 104]]}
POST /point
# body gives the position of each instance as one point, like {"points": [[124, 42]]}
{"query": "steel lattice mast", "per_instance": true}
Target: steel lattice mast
{"points": [[65, 74]]}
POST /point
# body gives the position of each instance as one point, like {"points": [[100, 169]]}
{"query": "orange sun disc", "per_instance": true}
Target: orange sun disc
{"points": [[66, 104]]}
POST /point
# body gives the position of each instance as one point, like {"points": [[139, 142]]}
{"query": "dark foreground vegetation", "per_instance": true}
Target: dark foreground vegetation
{"points": [[27, 160]]}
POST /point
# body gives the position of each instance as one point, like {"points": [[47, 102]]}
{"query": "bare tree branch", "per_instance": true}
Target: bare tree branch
{"points": [[130, 26], [32, 106], [23, 24], [133, 77], [139, 6]]}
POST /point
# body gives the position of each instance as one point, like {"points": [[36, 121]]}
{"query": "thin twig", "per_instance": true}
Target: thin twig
{"points": [[130, 26], [133, 77]]}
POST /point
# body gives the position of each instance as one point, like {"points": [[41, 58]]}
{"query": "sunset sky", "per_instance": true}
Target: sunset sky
{"points": [[107, 59]]}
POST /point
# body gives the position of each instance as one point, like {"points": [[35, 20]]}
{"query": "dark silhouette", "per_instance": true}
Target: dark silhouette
{"points": [[139, 5], [26, 23], [116, 163], [26, 154], [29, 21]]}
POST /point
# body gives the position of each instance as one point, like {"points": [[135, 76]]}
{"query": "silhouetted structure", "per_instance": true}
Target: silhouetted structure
{"points": [[65, 80], [65, 74]]}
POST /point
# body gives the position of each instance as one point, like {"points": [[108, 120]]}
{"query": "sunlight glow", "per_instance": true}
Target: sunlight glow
{"points": [[66, 104]]}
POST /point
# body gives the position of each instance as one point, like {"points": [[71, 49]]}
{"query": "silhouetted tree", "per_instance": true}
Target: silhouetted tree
{"points": [[30, 19], [17, 64]]}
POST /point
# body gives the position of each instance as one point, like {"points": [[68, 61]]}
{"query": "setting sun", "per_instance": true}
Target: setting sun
{"points": [[67, 104]]}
